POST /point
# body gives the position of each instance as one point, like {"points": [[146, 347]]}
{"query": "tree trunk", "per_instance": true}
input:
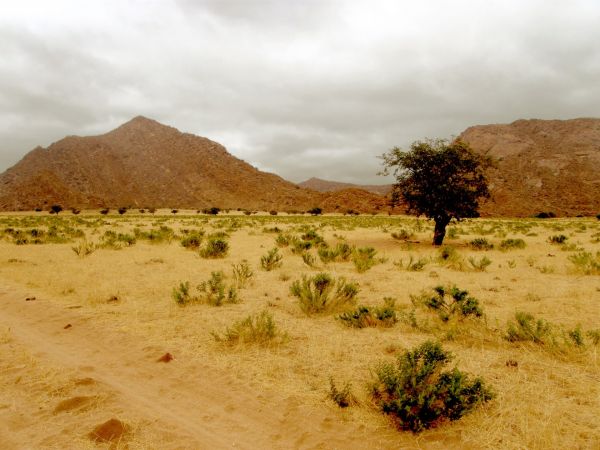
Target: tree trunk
{"points": [[440, 230]]}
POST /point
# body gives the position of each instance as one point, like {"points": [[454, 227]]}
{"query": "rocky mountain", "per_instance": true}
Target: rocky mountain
{"points": [[144, 163], [541, 166], [320, 185]]}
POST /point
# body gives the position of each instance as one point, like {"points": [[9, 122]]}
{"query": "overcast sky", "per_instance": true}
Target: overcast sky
{"points": [[297, 87]]}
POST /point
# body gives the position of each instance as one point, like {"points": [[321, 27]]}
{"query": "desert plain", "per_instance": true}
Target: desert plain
{"points": [[95, 326]]}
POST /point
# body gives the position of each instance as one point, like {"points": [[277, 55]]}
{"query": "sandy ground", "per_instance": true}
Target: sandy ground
{"points": [[179, 407], [72, 359]]}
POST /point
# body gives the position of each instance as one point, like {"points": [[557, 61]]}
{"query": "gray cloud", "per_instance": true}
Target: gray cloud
{"points": [[299, 88]]}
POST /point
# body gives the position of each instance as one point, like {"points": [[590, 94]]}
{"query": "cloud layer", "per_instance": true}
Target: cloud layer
{"points": [[300, 88]]}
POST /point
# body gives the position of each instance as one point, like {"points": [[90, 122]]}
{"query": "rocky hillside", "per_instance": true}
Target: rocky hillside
{"points": [[144, 163], [542, 165], [320, 185]]}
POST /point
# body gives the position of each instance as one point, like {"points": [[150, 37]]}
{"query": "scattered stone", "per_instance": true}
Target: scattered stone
{"points": [[30, 299], [512, 363], [165, 358], [113, 299], [74, 403], [109, 431], [67, 326]]}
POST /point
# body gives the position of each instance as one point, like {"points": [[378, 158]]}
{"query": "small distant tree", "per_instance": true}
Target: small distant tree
{"points": [[316, 211], [213, 211], [122, 210], [174, 211], [75, 211], [104, 211], [439, 179], [55, 209]]}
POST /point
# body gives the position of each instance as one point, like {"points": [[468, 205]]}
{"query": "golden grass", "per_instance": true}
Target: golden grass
{"points": [[549, 400]]}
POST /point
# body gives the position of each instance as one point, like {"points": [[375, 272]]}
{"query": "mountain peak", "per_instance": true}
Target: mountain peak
{"points": [[142, 124]]}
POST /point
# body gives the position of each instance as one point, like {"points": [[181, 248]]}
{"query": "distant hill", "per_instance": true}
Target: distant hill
{"points": [[144, 163], [542, 166], [320, 185]]}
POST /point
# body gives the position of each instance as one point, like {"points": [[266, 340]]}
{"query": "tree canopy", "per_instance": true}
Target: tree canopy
{"points": [[439, 179]]}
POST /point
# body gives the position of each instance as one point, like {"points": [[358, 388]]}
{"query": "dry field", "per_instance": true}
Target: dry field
{"points": [[81, 335]]}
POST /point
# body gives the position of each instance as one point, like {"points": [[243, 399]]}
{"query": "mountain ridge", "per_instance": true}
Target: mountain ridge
{"points": [[145, 163]]}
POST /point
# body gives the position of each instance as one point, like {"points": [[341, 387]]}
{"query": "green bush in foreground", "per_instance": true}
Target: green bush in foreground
{"points": [[322, 293], [417, 394]]}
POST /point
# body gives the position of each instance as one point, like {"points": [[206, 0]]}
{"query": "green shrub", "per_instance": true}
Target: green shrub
{"points": [[193, 240], [403, 235], [84, 248], [448, 256], [481, 264], [527, 328], [259, 329], [371, 316], [576, 336], [417, 394], [181, 294], [272, 260], [241, 274], [215, 248], [449, 302], [114, 241], [344, 397], [364, 258], [341, 252], [321, 293], [586, 263], [412, 264], [215, 292], [558, 239], [283, 240], [155, 235], [481, 244], [511, 244], [308, 259]]}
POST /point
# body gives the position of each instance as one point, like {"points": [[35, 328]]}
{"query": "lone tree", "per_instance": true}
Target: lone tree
{"points": [[439, 179], [55, 209]]}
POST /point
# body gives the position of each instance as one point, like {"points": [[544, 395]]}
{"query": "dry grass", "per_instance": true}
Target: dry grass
{"points": [[550, 399]]}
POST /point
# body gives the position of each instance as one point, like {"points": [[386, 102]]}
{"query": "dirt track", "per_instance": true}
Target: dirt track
{"points": [[172, 405]]}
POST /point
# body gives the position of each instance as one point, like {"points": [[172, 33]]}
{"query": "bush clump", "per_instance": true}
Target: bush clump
{"points": [[418, 394], [341, 397], [558, 239], [371, 316], [526, 328], [258, 329], [242, 274], [364, 258], [481, 244], [215, 247], [192, 240], [512, 244], [272, 260], [586, 263], [213, 292], [322, 293], [340, 253], [449, 302]]}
